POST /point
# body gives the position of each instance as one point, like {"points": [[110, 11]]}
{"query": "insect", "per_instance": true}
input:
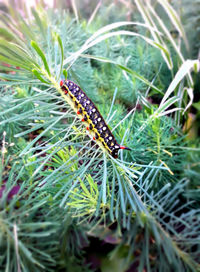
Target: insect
{"points": [[90, 115]]}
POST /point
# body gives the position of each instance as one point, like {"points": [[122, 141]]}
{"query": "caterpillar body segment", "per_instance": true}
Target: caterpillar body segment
{"points": [[92, 118]]}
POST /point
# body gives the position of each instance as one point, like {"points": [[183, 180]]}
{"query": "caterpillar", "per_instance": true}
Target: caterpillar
{"points": [[90, 115]]}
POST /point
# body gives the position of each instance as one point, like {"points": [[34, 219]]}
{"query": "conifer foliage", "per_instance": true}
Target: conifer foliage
{"points": [[66, 204]]}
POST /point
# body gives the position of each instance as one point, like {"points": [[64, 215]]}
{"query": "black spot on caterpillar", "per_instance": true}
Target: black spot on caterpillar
{"points": [[91, 116]]}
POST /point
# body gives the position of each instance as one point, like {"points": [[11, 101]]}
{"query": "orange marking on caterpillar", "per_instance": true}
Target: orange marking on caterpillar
{"points": [[124, 147]]}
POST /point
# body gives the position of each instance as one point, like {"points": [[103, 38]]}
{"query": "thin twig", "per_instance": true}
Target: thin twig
{"points": [[16, 247], [3, 149]]}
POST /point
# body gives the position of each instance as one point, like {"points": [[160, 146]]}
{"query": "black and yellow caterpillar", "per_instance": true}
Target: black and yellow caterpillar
{"points": [[90, 115]]}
